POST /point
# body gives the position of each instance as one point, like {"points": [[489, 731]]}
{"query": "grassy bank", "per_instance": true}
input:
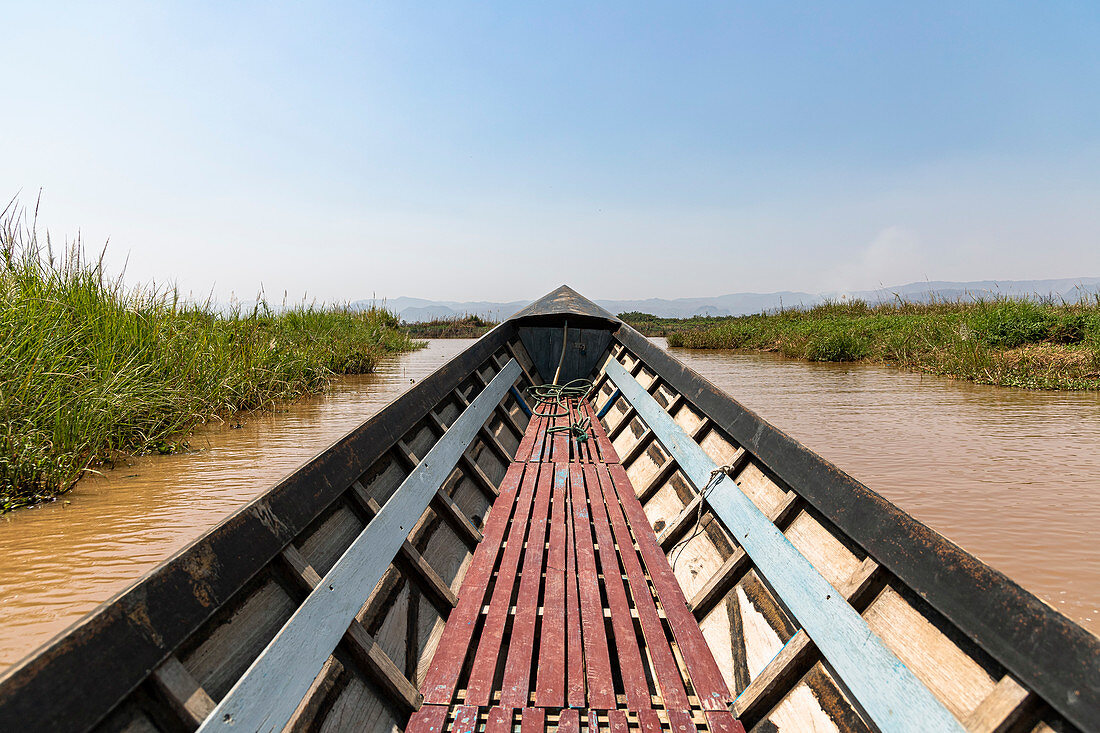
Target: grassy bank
{"points": [[465, 327], [1019, 343], [91, 369]]}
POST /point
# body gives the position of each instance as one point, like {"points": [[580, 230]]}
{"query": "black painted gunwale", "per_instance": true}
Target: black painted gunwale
{"points": [[1044, 650], [77, 678]]}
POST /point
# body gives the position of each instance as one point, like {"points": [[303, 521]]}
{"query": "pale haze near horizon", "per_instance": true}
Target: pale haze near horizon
{"points": [[493, 152]]}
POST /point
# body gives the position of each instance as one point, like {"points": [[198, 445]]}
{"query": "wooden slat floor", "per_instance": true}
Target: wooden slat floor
{"points": [[569, 616]]}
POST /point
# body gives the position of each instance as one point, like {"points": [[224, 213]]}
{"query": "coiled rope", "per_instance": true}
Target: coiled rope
{"points": [[557, 397]]}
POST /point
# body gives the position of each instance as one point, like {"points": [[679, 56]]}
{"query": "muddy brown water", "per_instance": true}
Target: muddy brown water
{"points": [[1010, 475]]}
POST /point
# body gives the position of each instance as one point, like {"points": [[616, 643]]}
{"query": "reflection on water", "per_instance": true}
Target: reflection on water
{"points": [[61, 560], [1011, 475]]}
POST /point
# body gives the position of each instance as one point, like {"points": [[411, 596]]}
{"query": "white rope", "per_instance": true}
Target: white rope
{"points": [[716, 477]]}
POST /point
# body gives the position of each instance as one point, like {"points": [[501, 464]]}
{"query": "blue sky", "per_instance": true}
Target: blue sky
{"points": [[494, 151]]}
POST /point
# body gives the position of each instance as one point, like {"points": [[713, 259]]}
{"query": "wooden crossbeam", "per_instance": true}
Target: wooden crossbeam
{"points": [[442, 504], [888, 691], [184, 694], [469, 466], [266, 696], [411, 562], [362, 646], [792, 661]]}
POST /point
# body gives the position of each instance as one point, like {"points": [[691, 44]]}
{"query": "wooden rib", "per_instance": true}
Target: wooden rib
{"points": [[184, 694], [512, 351], [614, 432], [1000, 709], [597, 662], [736, 565], [794, 659], [486, 434], [442, 504], [706, 678], [503, 414], [428, 719], [659, 479], [515, 688], [479, 689], [664, 663], [411, 562], [450, 512], [550, 681], [680, 522], [637, 449], [628, 654], [364, 649], [469, 466], [439, 682]]}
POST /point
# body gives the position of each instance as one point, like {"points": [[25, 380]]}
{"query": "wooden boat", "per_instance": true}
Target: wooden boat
{"points": [[455, 564]]}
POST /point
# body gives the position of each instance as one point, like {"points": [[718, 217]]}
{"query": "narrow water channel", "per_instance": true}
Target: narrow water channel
{"points": [[59, 561], [1011, 475]]}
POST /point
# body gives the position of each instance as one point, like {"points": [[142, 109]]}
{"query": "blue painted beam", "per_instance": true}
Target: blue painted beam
{"points": [[607, 405], [880, 684], [267, 695], [522, 402]]}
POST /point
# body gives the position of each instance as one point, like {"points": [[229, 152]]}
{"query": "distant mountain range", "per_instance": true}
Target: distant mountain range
{"points": [[1070, 289]]}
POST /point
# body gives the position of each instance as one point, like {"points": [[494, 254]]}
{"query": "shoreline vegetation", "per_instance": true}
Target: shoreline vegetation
{"points": [[92, 370], [458, 327], [1033, 344]]}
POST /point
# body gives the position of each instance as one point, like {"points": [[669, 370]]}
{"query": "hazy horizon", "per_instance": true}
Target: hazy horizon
{"points": [[493, 152]]}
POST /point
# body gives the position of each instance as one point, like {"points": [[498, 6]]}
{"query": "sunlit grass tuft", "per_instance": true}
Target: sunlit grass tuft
{"points": [[90, 368]]}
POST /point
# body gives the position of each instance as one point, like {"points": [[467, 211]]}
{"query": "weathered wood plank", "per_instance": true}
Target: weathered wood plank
{"points": [[626, 639], [597, 662], [1001, 709], [411, 562], [886, 689], [266, 696], [183, 692], [439, 682], [550, 681], [429, 719]]}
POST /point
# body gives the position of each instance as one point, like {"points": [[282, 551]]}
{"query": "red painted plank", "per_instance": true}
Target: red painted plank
{"points": [[561, 438], [533, 720], [705, 676], [479, 689], [607, 450], [601, 690], [428, 719], [593, 723], [616, 720], [668, 672], [569, 721], [517, 670], [500, 721], [523, 452], [575, 648], [626, 638], [439, 682], [465, 719], [680, 721], [721, 721], [648, 722], [538, 447], [550, 683]]}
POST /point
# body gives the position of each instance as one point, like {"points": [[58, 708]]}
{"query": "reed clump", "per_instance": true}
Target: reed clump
{"points": [[457, 327], [1038, 344], [91, 369]]}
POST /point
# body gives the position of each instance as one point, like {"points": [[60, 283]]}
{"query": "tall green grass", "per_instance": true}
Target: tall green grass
{"points": [[1039, 344], [91, 369]]}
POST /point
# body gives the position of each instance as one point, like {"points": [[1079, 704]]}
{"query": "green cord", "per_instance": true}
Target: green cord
{"points": [[558, 395]]}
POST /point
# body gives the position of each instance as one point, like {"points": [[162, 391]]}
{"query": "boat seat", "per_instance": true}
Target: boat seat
{"points": [[569, 613]]}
